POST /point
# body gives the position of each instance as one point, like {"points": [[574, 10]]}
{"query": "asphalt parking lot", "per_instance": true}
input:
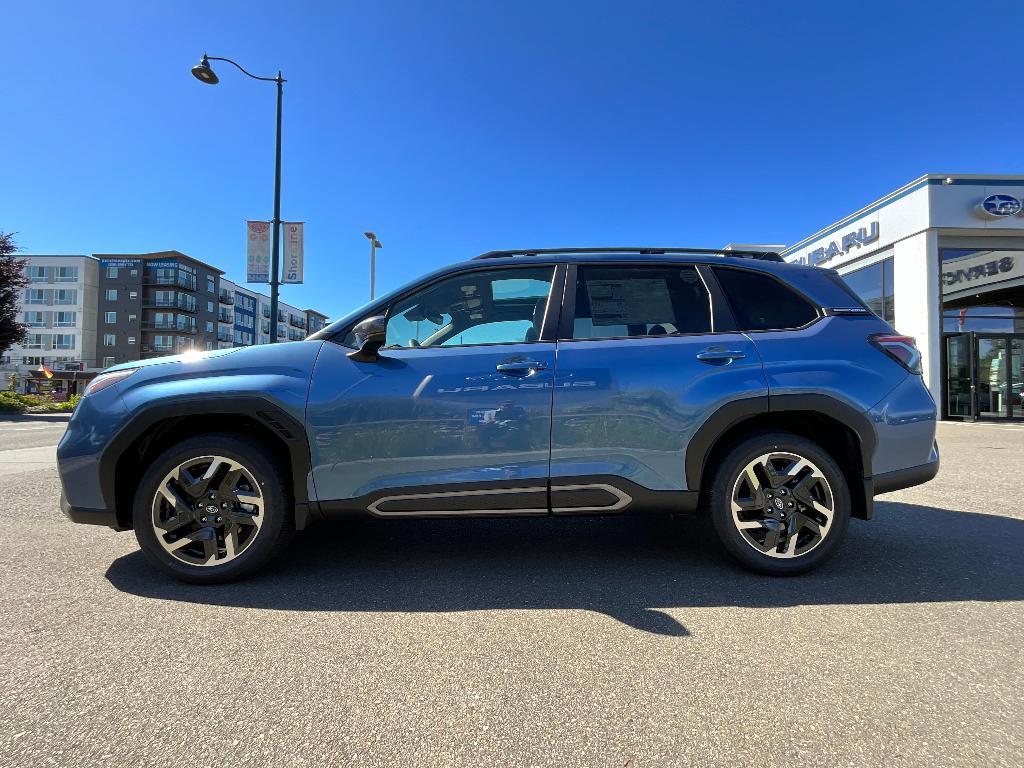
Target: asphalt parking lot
{"points": [[562, 642]]}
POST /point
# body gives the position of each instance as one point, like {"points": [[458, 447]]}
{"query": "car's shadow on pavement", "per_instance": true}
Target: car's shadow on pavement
{"points": [[627, 568]]}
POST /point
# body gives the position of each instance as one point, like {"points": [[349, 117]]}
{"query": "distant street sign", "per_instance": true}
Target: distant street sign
{"points": [[293, 252]]}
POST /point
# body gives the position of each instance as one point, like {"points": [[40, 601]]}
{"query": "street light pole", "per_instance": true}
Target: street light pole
{"points": [[374, 245], [275, 259], [205, 74]]}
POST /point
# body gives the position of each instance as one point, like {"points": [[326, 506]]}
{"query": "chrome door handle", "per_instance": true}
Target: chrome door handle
{"points": [[521, 367], [719, 355]]}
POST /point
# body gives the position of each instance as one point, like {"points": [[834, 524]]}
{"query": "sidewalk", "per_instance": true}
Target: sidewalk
{"points": [[52, 418]]}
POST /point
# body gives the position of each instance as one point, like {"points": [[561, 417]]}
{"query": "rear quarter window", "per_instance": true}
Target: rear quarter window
{"points": [[762, 303]]}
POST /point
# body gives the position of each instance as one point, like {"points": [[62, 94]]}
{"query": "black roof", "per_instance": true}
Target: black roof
{"points": [[639, 251]]}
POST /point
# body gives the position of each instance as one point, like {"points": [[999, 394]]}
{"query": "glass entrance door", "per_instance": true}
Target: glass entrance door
{"points": [[984, 376], [959, 378], [1016, 377], [992, 382]]}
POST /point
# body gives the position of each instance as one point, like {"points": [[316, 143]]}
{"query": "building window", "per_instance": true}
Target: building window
{"points": [[211, 285], [975, 286], [135, 273], [133, 294], [64, 341], [34, 296], [209, 326], [34, 341], [110, 317], [35, 319], [132, 318], [131, 339], [111, 274], [67, 274], [109, 340], [111, 294], [209, 306], [109, 360], [65, 319], [37, 274], [65, 296], [873, 284]]}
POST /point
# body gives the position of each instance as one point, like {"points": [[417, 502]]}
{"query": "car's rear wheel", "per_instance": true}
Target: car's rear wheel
{"points": [[212, 508], [778, 504]]}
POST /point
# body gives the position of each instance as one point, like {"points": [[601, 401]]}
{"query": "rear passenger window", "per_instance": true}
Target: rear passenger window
{"points": [[762, 303], [639, 301]]}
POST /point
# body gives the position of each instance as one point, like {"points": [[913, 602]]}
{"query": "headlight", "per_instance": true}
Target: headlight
{"points": [[104, 380]]}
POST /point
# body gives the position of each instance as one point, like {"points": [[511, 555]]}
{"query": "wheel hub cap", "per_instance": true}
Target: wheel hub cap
{"points": [[782, 505], [207, 511]]}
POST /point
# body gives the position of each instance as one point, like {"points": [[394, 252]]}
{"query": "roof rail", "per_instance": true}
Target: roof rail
{"points": [[762, 255]]}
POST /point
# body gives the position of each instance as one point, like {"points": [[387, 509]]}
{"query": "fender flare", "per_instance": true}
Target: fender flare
{"points": [[736, 411], [257, 407]]}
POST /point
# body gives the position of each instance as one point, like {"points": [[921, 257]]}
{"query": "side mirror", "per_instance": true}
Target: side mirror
{"points": [[370, 334]]}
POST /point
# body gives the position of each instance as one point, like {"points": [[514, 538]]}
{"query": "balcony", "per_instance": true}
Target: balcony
{"points": [[226, 316], [225, 335], [179, 301], [168, 328], [226, 298], [180, 280]]}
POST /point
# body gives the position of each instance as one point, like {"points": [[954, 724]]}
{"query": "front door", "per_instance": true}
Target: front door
{"points": [[983, 377], [455, 416], [640, 367], [959, 376]]}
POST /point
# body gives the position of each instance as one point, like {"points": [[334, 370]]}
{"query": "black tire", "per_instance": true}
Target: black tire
{"points": [[270, 536], [726, 481]]}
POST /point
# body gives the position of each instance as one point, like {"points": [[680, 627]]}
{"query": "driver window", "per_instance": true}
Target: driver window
{"points": [[500, 306]]}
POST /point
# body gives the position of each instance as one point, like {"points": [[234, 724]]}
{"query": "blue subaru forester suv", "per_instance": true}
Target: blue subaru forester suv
{"points": [[763, 395]]}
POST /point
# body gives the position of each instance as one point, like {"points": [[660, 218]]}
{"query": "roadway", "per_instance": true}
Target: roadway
{"points": [[536, 642]]}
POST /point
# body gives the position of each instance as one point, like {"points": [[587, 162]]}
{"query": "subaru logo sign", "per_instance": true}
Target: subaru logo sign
{"points": [[1000, 206]]}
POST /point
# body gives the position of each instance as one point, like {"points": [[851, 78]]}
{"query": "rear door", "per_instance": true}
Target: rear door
{"points": [[640, 366]]}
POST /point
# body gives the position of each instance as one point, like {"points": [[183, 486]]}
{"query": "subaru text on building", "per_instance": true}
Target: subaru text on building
{"points": [[574, 381]]}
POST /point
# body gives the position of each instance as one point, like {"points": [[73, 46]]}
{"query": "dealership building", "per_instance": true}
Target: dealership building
{"points": [[942, 259]]}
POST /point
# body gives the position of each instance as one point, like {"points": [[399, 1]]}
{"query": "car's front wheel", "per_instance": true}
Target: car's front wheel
{"points": [[778, 504], [212, 508]]}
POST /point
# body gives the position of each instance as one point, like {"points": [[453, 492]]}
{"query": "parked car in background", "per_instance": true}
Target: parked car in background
{"points": [[762, 395]]}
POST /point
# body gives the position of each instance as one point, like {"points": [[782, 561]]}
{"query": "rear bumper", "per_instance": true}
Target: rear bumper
{"points": [[908, 477], [105, 517]]}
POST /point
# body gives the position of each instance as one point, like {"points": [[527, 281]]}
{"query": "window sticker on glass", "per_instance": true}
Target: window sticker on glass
{"points": [[636, 301]]}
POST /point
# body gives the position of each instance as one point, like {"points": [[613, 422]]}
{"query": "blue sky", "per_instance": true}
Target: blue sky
{"points": [[456, 128]]}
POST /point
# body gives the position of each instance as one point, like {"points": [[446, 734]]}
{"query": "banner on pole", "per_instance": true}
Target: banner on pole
{"points": [[293, 252], [258, 252]]}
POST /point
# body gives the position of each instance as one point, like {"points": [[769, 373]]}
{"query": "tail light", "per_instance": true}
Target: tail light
{"points": [[902, 349]]}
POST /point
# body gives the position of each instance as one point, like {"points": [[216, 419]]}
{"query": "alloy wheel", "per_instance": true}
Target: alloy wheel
{"points": [[782, 505], [207, 511]]}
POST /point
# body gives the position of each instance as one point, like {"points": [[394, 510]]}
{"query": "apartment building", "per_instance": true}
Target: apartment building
{"points": [[154, 304], [86, 313], [59, 308], [244, 318]]}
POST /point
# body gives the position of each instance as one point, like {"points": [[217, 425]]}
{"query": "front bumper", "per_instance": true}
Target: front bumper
{"points": [[105, 517]]}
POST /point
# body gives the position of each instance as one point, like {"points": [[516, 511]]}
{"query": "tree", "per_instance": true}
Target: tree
{"points": [[12, 280]]}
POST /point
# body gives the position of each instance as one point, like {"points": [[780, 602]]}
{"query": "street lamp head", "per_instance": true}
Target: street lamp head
{"points": [[369, 235], [376, 243], [204, 73]]}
